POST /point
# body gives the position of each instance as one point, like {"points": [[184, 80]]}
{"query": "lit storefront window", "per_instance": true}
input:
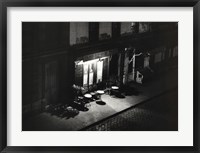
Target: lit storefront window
{"points": [[85, 74], [91, 74], [99, 71], [92, 71]]}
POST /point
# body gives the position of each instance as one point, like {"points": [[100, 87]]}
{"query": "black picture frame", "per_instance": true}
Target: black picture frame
{"points": [[4, 4]]}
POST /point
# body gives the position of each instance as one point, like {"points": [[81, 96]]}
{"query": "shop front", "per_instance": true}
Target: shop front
{"points": [[134, 62], [92, 70]]}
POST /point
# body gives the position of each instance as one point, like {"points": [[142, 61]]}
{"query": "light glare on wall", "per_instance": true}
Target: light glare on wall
{"points": [[90, 61]]}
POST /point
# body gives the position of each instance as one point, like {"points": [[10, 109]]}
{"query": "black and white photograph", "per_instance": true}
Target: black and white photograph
{"points": [[100, 76]]}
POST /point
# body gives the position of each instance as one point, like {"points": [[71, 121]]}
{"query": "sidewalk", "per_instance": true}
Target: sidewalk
{"points": [[157, 114], [97, 112]]}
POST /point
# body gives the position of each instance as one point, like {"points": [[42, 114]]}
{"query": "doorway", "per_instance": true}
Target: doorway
{"points": [[51, 83]]}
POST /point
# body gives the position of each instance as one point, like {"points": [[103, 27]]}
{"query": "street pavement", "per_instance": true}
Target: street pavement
{"points": [[97, 113], [157, 114]]}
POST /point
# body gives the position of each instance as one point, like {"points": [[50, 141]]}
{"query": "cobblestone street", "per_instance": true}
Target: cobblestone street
{"points": [[158, 114]]}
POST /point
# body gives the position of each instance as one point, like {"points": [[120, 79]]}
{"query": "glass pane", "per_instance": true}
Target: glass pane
{"points": [[99, 71], [126, 28], [79, 32], [85, 74], [91, 75], [104, 30]]}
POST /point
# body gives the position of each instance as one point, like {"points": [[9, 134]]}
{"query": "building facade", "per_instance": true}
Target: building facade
{"points": [[56, 56]]}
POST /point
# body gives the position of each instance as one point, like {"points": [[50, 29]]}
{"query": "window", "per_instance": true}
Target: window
{"points": [[91, 74], [88, 74], [85, 74], [126, 28], [105, 29], [144, 27], [79, 32], [99, 71]]}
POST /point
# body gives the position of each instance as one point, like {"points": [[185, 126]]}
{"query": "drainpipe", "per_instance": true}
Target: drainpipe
{"points": [[122, 66]]}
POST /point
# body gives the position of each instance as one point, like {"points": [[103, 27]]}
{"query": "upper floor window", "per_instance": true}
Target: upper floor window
{"points": [[144, 27], [105, 30], [79, 32], [126, 28]]}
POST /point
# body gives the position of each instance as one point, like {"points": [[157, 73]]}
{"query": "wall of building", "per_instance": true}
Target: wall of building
{"points": [[44, 64]]}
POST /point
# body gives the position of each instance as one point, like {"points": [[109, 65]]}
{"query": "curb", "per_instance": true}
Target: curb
{"points": [[140, 103]]}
